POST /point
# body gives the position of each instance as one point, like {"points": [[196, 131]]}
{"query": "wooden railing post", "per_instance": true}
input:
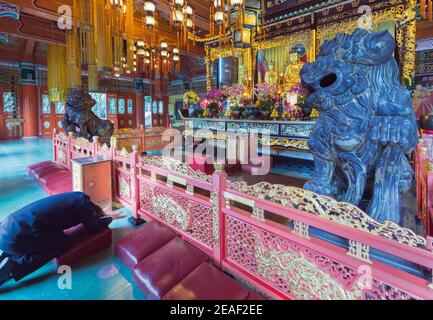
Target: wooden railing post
{"points": [[428, 196], [70, 146], [217, 196], [54, 145], [95, 141], [135, 182]]}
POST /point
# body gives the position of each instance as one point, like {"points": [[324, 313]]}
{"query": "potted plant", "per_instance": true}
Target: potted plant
{"points": [[190, 100], [215, 107], [235, 107], [302, 94]]}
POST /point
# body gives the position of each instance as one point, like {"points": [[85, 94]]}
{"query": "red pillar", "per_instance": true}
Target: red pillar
{"points": [[139, 102], [29, 101]]}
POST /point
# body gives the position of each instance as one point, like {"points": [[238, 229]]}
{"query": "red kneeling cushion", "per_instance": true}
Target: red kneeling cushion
{"points": [[59, 187], [207, 283], [40, 165], [54, 177], [44, 171], [141, 243], [84, 245], [163, 269]]}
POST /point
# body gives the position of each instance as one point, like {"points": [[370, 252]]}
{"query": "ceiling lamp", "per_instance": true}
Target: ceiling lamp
{"points": [[140, 43], [146, 61], [141, 52], [164, 53], [164, 45], [176, 58], [175, 51], [149, 7]]}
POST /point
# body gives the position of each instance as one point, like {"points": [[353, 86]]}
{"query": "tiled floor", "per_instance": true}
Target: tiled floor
{"points": [[99, 277]]}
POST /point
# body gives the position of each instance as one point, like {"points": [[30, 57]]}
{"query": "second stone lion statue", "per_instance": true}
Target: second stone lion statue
{"points": [[80, 119], [366, 125]]}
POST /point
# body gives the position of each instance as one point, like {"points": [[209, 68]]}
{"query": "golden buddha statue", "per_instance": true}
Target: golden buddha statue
{"points": [[271, 75], [293, 69]]}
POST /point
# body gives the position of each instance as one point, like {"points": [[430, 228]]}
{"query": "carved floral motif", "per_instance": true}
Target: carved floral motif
{"points": [[186, 215], [124, 186], [296, 270], [343, 213], [173, 165]]}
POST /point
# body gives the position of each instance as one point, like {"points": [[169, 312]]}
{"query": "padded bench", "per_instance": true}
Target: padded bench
{"points": [[85, 244], [166, 267]]}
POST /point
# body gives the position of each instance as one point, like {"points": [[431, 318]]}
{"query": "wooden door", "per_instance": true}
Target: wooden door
{"points": [[160, 112], [112, 110], [48, 116], [131, 111], [51, 115], [121, 111], [8, 109]]}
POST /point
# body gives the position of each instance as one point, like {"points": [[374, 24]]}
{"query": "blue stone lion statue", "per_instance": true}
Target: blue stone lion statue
{"points": [[366, 126]]}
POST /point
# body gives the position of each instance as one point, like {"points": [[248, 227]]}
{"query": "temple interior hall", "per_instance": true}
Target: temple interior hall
{"points": [[236, 150]]}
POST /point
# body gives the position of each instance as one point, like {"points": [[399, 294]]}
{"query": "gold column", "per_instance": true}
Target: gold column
{"points": [[73, 55], [56, 73]]}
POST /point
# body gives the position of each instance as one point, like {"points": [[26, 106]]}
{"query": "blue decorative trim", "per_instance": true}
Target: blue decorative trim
{"points": [[9, 10]]}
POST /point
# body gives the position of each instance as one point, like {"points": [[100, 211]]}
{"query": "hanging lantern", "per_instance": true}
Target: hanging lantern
{"points": [[237, 4], [219, 17], [178, 17], [243, 38], [149, 7], [146, 61], [147, 53], [179, 3], [150, 22], [164, 45], [188, 11], [176, 51], [141, 52], [176, 58], [164, 53], [189, 24]]}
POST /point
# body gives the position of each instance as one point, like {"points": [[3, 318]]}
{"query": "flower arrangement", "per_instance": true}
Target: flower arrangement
{"points": [[302, 93], [233, 92], [265, 94], [215, 95], [190, 98]]}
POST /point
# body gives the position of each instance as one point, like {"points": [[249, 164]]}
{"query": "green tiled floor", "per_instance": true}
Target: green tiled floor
{"points": [[99, 277]]}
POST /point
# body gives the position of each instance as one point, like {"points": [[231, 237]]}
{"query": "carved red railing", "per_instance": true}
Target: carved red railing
{"points": [[273, 236], [268, 241], [144, 139], [67, 147]]}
